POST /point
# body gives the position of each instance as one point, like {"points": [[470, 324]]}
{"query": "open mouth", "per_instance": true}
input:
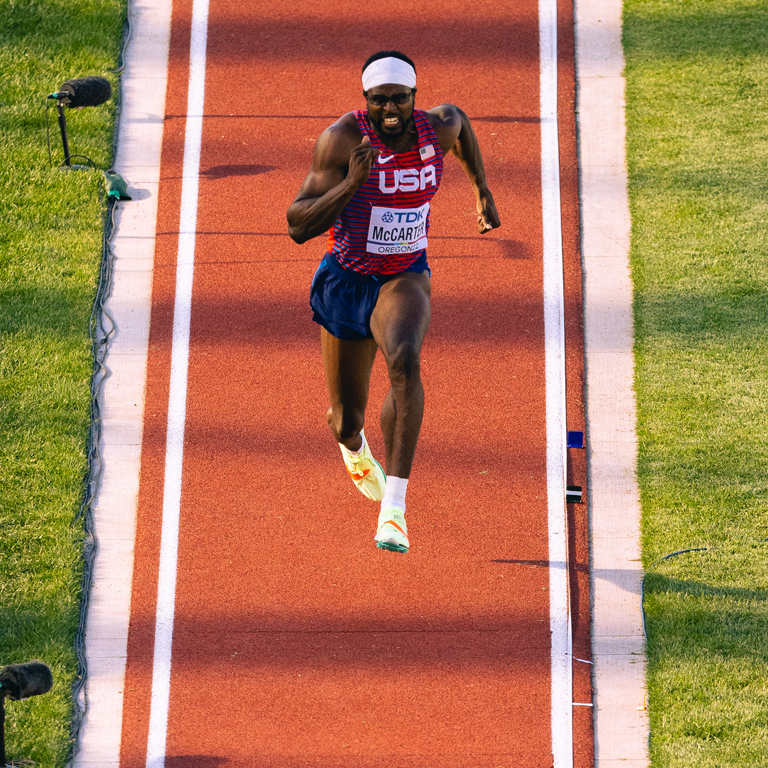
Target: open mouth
{"points": [[391, 122]]}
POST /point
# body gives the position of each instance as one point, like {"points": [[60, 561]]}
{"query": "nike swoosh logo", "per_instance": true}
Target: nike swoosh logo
{"points": [[383, 160], [359, 475]]}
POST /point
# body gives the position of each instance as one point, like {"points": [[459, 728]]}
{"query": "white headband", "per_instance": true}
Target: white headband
{"points": [[389, 71]]}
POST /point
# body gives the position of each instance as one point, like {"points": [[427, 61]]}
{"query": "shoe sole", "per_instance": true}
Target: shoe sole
{"points": [[391, 547]]}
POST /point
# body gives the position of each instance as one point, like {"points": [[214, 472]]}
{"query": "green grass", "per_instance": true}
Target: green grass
{"points": [[697, 90], [50, 248], [697, 75]]}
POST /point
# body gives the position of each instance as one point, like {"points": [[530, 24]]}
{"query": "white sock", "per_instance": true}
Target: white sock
{"points": [[394, 495]]}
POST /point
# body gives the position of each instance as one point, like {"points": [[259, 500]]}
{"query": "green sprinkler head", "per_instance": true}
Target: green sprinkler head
{"points": [[117, 186]]}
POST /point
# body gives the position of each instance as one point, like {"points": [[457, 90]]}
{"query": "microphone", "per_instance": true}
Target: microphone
{"points": [[20, 681], [84, 92]]}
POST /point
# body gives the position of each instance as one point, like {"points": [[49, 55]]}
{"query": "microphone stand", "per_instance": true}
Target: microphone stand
{"points": [[64, 138], [65, 141]]}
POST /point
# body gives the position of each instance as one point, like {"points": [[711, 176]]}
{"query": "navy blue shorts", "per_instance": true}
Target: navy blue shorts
{"points": [[343, 301]]}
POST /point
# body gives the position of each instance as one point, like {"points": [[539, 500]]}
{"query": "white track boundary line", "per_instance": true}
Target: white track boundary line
{"points": [[140, 133], [177, 401], [554, 345], [618, 646]]}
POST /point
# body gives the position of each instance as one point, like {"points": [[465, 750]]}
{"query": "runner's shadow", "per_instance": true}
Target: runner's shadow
{"points": [[513, 249], [224, 171], [510, 249], [194, 761]]}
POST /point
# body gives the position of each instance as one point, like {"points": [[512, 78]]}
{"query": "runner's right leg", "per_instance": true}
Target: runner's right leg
{"points": [[347, 374], [347, 367]]}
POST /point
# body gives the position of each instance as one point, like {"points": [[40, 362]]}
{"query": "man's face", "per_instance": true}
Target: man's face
{"points": [[390, 108]]}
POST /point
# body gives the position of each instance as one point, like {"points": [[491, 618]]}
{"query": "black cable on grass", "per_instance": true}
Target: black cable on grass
{"points": [[127, 36], [85, 157], [101, 329], [653, 565]]}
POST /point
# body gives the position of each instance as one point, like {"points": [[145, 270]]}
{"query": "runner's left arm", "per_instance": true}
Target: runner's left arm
{"points": [[457, 136]]}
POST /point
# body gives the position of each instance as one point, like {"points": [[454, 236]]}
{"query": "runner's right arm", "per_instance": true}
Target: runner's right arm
{"points": [[340, 166]]}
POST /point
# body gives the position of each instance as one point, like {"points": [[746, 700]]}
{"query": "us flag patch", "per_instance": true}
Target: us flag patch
{"points": [[427, 151]]}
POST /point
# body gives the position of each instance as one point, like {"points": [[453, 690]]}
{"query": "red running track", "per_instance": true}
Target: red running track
{"points": [[297, 642]]}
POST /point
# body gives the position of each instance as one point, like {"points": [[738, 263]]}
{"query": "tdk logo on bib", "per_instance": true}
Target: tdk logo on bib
{"points": [[407, 179]]}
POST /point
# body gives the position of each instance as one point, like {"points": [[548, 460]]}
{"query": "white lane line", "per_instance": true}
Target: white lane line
{"points": [[554, 346], [177, 401]]}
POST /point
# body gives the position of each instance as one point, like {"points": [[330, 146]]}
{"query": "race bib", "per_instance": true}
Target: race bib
{"points": [[397, 230]]}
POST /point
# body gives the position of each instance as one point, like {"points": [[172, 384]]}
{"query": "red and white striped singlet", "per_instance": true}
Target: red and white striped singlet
{"points": [[383, 228]]}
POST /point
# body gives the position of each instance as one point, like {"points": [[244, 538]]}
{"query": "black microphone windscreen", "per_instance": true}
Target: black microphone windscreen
{"points": [[85, 92], [20, 681]]}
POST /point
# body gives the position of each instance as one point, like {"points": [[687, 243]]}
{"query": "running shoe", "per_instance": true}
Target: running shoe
{"points": [[393, 532], [366, 473]]}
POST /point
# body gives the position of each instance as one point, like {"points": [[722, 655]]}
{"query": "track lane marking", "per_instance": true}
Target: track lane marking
{"points": [[177, 399], [554, 356]]}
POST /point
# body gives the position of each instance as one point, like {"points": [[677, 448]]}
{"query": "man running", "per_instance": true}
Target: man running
{"points": [[372, 178]]}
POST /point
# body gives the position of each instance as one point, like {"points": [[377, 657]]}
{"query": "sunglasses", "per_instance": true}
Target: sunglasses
{"points": [[398, 99]]}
